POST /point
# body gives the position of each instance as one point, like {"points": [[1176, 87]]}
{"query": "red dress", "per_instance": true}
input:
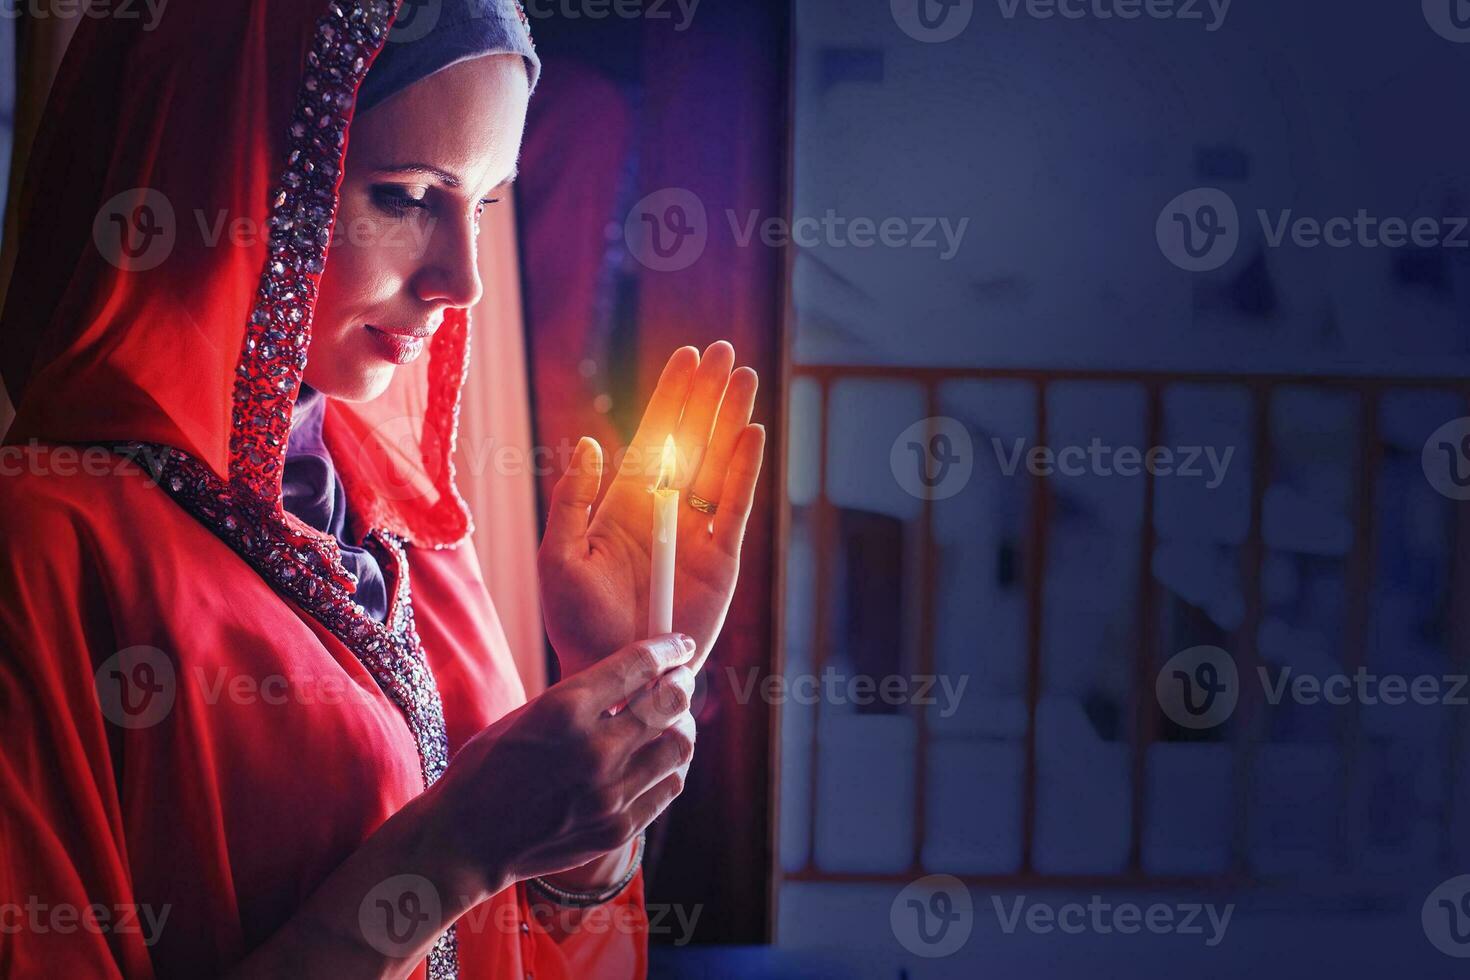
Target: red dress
{"points": [[197, 723]]}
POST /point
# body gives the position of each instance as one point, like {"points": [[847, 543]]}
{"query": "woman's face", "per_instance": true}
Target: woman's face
{"points": [[420, 169]]}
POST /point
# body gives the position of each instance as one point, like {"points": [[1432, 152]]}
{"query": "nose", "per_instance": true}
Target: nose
{"points": [[450, 273]]}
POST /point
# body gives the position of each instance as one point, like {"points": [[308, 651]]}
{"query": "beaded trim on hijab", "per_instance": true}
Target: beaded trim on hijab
{"points": [[245, 512]]}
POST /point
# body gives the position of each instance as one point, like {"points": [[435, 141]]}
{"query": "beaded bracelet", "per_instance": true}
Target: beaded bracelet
{"points": [[584, 900]]}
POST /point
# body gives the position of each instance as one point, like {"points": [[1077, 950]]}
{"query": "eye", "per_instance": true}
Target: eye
{"points": [[398, 200], [484, 203]]}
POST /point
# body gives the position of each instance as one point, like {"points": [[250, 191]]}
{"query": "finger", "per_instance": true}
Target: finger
{"points": [[618, 678], [734, 417], [670, 752], [658, 706], [640, 464], [647, 808], [737, 495], [572, 498], [705, 395]]}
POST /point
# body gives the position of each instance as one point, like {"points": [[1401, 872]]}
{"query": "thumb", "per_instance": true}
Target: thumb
{"points": [[571, 500]]}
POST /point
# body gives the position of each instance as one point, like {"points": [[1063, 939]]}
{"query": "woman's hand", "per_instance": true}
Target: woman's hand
{"points": [[560, 782], [548, 787], [595, 567]]}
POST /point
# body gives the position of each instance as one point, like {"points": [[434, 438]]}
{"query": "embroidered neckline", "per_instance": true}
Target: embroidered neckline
{"points": [[245, 511], [390, 650]]}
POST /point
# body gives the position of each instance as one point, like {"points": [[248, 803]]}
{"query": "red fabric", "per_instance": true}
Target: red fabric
{"points": [[278, 757], [196, 109], [278, 754]]}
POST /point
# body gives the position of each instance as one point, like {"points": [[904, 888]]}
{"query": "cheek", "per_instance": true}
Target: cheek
{"points": [[360, 274], [362, 278]]}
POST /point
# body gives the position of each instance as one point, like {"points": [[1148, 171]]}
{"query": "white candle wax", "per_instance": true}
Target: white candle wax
{"points": [[661, 580], [665, 538]]}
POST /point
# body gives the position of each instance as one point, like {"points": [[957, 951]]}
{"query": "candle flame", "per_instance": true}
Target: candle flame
{"points": [[667, 465]]}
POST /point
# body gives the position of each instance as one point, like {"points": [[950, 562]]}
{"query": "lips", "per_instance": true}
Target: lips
{"points": [[399, 345]]}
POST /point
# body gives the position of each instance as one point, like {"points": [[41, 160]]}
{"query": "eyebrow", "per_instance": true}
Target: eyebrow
{"points": [[444, 176]]}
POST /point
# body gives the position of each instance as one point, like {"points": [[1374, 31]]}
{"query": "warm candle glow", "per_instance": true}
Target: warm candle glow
{"points": [[668, 466]]}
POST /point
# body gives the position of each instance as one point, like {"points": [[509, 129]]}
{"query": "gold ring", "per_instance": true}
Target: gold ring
{"points": [[702, 505]]}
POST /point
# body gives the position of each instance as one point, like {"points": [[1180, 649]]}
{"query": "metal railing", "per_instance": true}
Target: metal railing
{"points": [[1368, 392]]}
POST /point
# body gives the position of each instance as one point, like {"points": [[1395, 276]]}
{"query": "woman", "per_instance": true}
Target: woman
{"points": [[258, 715]]}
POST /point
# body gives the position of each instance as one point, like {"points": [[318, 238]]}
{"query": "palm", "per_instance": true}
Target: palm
{"points": [[595, 573]]}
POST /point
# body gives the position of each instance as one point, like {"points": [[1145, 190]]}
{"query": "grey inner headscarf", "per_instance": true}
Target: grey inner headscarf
{"points": [[429, 35]]}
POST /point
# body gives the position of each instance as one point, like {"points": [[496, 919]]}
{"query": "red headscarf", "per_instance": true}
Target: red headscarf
{"points": [[173, 228]]}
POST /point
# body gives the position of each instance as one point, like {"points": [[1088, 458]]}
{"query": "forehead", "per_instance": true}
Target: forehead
{"points": [[466, 119]]}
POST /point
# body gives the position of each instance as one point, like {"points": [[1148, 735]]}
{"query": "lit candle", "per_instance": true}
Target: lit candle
{"points": [[665, 536]]}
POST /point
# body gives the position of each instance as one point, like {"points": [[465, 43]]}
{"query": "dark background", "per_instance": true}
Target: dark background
{"points": [[1325, 543]]}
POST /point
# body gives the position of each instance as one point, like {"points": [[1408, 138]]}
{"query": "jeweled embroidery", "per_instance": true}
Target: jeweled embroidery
{"points": [[390, 651], [303, 206], [246, 511]]}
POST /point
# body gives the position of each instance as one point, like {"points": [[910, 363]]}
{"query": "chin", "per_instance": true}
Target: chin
{"points": [[364, 384]]}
